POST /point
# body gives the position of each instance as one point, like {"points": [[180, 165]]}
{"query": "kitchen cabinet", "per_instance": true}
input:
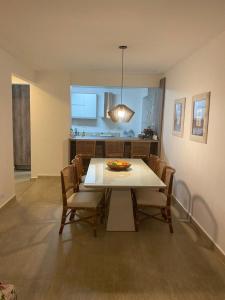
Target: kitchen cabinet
{"points": [[84, 106]]}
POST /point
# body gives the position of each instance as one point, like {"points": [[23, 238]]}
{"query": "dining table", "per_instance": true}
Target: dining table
{"points": [[120, 183]]}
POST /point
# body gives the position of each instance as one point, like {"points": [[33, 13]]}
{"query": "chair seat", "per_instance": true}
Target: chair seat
{"points": [[83, 188], [84, 200], [148, 197]]}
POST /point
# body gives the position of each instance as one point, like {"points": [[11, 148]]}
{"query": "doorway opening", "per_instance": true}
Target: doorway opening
{"points": [[21, 129]]}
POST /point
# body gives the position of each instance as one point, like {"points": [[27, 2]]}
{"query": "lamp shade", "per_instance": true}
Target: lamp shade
{"points": [[121, 113]]}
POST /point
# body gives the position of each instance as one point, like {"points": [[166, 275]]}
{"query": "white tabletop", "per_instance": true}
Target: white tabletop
{"points": [[138, 175]]}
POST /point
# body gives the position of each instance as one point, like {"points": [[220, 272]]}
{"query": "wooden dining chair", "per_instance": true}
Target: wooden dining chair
{"points": [[161, 200], [74, 201], [152, 162], [79, 172], [86, 149], [156, 164], [159, 167], [140, 149], [80, 165], [114, 149]]}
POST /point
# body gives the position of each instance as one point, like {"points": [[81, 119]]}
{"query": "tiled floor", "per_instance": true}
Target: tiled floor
{"points": [[149, 264], [22, 176]]}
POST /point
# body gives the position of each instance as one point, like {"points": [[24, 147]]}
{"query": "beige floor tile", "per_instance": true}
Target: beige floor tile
{"points": [[149, 264]]}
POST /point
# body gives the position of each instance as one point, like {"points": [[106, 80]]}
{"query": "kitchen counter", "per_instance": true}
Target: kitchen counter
{"points": [[100, 144], [111, 138]]}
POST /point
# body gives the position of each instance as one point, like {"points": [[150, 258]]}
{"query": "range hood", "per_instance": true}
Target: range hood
{"points": [[108, 103]]}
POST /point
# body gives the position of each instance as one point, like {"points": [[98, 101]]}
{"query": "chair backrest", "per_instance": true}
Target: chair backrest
{"points": [[114, 149], [153, 162], [160, 165], [80, 164], [140, 149], [167, 178], [78, 168], [86, 149], [69, 182]]}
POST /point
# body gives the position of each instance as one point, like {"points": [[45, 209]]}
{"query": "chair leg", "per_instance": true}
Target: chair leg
{"points": [[169, 219], [95, 224], [135, 210], [106, 207], [136, 222], [72, 214], [102, 211], [63, 220], [163, 212]]}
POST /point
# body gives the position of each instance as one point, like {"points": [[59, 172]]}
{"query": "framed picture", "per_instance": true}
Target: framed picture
{"points": [[200, 117], [178, 119]]}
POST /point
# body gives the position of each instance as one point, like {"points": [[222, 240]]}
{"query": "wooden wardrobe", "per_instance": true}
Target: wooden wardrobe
{"points": [[21, 126]]}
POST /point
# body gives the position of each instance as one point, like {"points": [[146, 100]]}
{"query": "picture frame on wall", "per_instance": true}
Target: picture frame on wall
{"points": [[178, 118], [200, 117]]}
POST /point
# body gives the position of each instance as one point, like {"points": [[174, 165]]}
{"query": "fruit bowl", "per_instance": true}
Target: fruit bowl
{"points": [[118, 165]]}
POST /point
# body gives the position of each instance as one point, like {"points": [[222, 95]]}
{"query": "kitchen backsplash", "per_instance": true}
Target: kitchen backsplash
{"points": [[83, 133]]}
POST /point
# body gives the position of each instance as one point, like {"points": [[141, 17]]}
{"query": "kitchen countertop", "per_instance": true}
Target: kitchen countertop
{"points": [[111, 138]]}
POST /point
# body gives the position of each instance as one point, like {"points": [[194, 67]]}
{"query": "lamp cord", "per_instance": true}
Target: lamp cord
{"points": [[121, 92]]}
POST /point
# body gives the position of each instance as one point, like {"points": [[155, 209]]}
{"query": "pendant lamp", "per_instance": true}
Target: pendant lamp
{"points": [[121, 112]]}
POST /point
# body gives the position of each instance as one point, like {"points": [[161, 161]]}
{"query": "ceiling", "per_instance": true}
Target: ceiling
{"points": [[85, 34]]}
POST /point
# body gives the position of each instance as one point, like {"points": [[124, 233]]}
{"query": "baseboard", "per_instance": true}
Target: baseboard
{"points": [[43, 176], [6, 201], [174, 199], [202, 231], [47, 175]]}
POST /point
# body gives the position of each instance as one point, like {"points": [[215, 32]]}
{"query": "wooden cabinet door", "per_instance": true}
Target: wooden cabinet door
{"points": [[21, 126]]}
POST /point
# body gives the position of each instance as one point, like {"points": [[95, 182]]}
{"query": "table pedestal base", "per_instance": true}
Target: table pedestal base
{"points": [[121, 216]]}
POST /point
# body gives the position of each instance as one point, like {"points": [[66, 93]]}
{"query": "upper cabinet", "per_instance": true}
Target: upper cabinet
{"points": [[84, 106]]}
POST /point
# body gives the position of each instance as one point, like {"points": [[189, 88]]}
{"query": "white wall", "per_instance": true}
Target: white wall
{"points": [[132, 97], [109, 78], [151, 110], [8, 66], [200, 176], [50, 123], [50, 114]]}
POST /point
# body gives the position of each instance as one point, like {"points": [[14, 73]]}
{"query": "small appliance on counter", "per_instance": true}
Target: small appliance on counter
{"points": [[147, 133]]}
